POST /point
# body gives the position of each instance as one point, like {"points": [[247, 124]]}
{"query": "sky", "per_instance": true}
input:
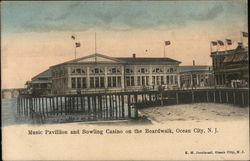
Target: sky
{"points": [[36, 35]]}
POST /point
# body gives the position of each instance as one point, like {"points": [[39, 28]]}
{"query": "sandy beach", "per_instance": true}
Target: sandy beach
{"points": [[196, 112]]}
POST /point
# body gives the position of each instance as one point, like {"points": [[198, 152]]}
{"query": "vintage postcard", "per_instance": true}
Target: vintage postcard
{"points": [[125, 80]]}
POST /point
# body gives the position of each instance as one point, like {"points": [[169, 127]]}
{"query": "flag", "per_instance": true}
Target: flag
{"points": [[73, 37], [214, 43], [229, 42], [221, 43], [78, 44], [244, 34], [167, 42]]}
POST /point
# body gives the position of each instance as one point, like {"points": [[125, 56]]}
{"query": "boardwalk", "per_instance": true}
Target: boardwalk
{"points": [[118, 106]]}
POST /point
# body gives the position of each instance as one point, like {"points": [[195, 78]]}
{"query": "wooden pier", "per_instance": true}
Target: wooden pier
{"points": [[118, 106]]}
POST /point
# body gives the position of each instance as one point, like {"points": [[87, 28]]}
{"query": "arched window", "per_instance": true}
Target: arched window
{"points": [[157, 70], [113, 70], [78, 71], [96, 71], [128, 70], [143, 70]]}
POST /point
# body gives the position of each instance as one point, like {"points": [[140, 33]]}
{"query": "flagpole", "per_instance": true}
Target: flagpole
{"points": [[226, 46], [164, 50], [210, 47], [95, 47], [75, 51]]}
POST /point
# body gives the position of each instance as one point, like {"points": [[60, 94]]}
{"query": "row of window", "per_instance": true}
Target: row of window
{"points": [[95, 82], [110, 71], [79, 82], [155, 70], [144, 80], [95, 71]]}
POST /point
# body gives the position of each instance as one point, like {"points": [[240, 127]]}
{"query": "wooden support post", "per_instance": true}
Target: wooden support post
{"points": [[136, 106], [53, 105], [24, 106], [110, 107], [214, 97], [89, 105], [82, 106], [106, 107], [234, 97], [20, 106], [192, 96], [66, 107], [207, 96], [227, 96], [17, 105], [161, 99], [39, 106], [242, 96], [61, 102], [46, 104], [177, 98], [119, 106], [43, 107], [30, 107], [129, 107], [123, 115], [116, 108], [94, 105], [77, 103], [72, 102], [50, 105], [220, 96], [100, 106], [24, 109]]}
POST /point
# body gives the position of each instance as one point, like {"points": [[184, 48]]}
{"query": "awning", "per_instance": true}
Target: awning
{"points": [[239, 57], [228, 58], [40, 81]]}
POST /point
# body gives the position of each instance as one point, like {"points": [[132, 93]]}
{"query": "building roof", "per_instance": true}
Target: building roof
{"points": [[200, 68], [40, 81], [147, 60], [238, 49], [108, 59], [44, 74]]}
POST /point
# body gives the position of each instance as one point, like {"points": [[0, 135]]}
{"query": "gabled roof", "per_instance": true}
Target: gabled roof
{"points": [[44, 74], [78, 60], [200, 68], [147, 60], [107, 59]]}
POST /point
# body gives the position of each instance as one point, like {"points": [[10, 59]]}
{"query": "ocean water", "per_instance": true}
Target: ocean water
{"points": [[11, 117]]}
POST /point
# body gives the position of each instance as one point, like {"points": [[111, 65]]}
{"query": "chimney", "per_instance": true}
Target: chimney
{"points": [[193, 62], [134, 55]]}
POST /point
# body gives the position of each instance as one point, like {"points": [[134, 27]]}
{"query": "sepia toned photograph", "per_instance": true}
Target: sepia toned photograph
{"points": [[125, 80]]}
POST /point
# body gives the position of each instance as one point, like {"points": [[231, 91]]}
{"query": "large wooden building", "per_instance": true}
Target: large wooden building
{"points": [[231, 67], [196, 76], [100, 73], [41, 84]]}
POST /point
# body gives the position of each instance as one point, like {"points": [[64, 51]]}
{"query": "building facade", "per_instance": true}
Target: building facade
{"points": [[196, 76], [41, 84], [231, 67], [100, 73]]}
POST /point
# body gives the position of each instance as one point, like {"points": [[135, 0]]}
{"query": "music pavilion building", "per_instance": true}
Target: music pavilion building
{"points": [[100, 73]]}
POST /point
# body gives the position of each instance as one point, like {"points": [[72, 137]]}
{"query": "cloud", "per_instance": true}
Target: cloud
{"points": [[208, 14], [67, 12], [122, 16]]}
